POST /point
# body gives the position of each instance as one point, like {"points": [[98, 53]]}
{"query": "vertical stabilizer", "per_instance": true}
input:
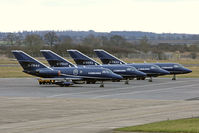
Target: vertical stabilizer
{"points": [[27, 62], [55, 60], [108, 58], [82, 59]]}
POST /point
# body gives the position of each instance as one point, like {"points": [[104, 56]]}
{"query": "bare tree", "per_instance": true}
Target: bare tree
{"points": [[51, 38], [10, 38], [33, 43], [117, 40], [144, 44], [33, 40], [19, 39]]}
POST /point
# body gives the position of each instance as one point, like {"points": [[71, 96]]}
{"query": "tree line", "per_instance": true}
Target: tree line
{"points": [[115, 44]]}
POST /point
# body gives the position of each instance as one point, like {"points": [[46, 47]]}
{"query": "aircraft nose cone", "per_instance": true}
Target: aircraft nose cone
{"points": [[142, 74], [164, 72], [116, 76], [187, 70]]}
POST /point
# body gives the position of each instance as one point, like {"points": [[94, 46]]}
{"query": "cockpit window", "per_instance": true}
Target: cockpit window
{"points": [[131, 69], [109, 71], [128, 69], [177, 66], [158, 67], [106, 71], [152, 67], [155, 67]]}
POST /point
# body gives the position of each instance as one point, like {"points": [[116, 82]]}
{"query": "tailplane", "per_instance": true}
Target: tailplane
{"points": [[55, 60], [81, 59], [107, 58]]}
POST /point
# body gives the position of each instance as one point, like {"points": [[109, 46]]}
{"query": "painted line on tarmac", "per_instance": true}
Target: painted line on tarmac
{"points": [[135, 92], [130, 87]]}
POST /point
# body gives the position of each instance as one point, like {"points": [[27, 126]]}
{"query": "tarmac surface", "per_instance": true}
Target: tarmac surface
{"points": [[86, 108], [160, 88]]}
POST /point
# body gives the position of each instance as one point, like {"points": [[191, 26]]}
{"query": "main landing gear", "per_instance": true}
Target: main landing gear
{"points": [[90, 82], [150, 79], [102, 84], [141, 78], [126, 81], [174, 77]]}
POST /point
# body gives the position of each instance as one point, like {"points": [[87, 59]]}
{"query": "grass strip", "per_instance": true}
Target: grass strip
{"points": [[189, 125], [12, 72]]}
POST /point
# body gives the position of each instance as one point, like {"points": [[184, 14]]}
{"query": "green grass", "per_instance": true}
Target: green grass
{"points": [[4, 60], [12, 72], [2, 42], [190, 125]]}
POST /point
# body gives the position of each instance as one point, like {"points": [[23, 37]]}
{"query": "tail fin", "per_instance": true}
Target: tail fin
{"points": [[27, 62], [107, 58], [82, 59], [55, 60]]}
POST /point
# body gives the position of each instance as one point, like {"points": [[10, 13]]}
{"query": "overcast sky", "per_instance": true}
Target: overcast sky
{"points": [[170, 16]]}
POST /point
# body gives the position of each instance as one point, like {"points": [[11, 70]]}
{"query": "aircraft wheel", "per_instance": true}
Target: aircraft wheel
{"points": [[102, 84], [126, 82], [138, 78], [174, 77], [93, 82], [88, 82], [150, 80]]}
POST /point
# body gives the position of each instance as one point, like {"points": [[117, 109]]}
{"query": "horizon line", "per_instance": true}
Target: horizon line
{"points": [[97, 31]]}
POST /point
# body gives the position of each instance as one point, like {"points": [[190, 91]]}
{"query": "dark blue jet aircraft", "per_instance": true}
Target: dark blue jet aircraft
{"points": [[34, 67], [173, 68], [126, 72], [150, 69]]}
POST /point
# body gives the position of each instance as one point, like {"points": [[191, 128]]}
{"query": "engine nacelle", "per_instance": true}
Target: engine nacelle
{"points": [[49, 73]]}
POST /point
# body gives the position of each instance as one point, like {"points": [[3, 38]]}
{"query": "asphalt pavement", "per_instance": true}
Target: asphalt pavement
{"points": [[29, 107], [160, 88]]}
